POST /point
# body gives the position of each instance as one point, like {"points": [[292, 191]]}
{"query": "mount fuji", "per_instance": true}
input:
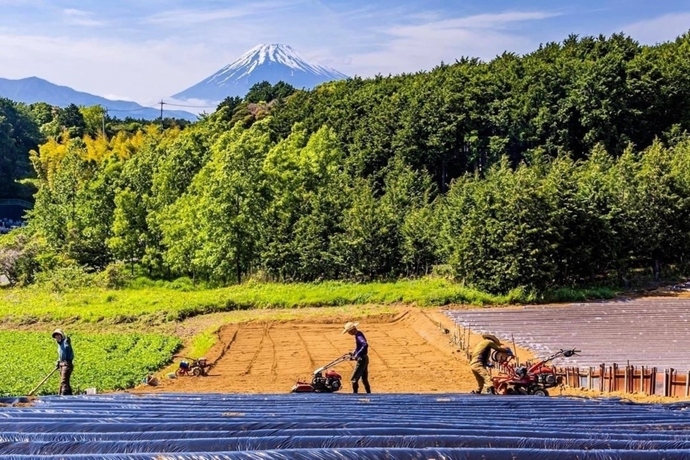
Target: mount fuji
{"points": [[271, 63]]}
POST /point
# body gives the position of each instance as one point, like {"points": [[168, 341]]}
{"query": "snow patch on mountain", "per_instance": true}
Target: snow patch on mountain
{"points": [[272, 63], [266, 54]]}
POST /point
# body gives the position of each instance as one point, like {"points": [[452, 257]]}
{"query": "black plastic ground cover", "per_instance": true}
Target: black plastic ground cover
{"points": [[14, 400], [342, 426]]}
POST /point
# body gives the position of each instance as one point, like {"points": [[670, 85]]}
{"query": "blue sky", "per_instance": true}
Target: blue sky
{"points": [[145, 50]]}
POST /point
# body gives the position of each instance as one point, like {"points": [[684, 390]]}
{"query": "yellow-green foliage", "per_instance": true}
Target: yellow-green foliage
{"points": [[202, 343]]}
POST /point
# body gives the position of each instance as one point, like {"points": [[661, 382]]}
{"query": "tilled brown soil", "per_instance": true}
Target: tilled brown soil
{"points": [[408, 354]]}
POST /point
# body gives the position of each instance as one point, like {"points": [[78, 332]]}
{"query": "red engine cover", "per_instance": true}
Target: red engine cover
{"points": [[333, 375], [302, 387]]}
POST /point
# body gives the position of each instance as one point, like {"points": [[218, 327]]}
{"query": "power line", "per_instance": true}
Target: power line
{"points": [[191, 106], [128, 110]]}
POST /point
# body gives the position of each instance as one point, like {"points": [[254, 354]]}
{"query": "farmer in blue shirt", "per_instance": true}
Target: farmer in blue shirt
{"points": [[361, 356], [64, 362]]}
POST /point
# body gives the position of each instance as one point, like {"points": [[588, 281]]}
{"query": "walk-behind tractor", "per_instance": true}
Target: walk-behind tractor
{"points": [[320, 382], [197, 367], [530, 379]]}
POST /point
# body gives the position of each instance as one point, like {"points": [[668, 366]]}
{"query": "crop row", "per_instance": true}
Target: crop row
{"points": [[103, 361]]}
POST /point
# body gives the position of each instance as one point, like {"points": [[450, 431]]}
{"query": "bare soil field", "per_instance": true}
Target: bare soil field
{"points": [[409, 353]]}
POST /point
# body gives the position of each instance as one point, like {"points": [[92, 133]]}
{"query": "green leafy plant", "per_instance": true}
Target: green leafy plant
{"points": [[102, 361]]}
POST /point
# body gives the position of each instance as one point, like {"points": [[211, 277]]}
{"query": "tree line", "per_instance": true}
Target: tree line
{"points": [[562, 167], [23, 127]]}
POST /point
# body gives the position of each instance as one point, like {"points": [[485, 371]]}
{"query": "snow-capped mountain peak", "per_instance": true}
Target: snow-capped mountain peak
{"points": [[272, 63], [281, 54]]}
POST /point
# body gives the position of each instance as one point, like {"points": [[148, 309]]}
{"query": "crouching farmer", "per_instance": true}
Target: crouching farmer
{"points": [[479, 362], [64, 362]]}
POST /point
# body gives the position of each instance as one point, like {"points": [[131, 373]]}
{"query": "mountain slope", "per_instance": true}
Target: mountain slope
{"points": [[271, 63], [34, 89]]}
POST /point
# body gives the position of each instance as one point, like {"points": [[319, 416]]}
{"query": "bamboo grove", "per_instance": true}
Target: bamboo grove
{"points": [[562, 167]]}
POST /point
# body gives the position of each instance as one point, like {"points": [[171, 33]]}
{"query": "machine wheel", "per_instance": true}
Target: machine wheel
{"points": [[196, 372], [180, 372], [540, 392]]}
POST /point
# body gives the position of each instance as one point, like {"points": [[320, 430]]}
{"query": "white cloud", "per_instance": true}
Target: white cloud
{"points": [[659, 29], [194, 16], [196, 106], [480, 21], [80, 18], [424, 45], [117, 97]]}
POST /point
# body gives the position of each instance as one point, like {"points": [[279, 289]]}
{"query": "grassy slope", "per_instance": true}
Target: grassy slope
{"points": [[158, 304]]}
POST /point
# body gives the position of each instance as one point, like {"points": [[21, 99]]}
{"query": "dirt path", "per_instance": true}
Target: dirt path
{"points": [[409, 353]]}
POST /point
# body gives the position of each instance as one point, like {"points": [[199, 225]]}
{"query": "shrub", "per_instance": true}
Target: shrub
{"points": [[64, 278], [115, 276]]}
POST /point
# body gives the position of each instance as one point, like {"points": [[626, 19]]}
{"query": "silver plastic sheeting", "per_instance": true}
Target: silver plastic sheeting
{"points": [[652, 332]]}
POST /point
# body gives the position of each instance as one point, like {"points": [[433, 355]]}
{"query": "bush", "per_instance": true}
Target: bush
{"points": [[443, 271], [22, 256], [65, 278], [183, 283], [115, 276]]}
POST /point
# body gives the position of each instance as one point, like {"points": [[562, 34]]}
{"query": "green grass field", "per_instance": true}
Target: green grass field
{"points": [[163, 303], [103, 361]]}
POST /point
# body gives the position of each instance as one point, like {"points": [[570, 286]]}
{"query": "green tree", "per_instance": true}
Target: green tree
{"points": [[218, 220], [18, 136], [71, 119], [94, 120], [129, 228]]}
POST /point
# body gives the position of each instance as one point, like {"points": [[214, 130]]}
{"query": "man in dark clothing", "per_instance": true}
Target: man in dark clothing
{"points": [[361, 356], [64, 362]]}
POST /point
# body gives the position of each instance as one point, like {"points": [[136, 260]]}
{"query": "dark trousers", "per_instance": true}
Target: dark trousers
{"points": [[361, 372], [66, 368]]}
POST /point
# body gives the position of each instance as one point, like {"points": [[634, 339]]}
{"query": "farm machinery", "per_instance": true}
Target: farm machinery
{"points": [[195, 367], [324, 379], [529, 379]]}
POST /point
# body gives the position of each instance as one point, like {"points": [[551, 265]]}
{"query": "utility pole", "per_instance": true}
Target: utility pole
{"points": [[161, 103], [103, 115]]}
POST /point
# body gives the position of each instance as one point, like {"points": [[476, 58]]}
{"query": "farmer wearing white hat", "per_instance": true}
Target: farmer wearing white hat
{"points": [[64, 362], [480, 361], [361, 356]]}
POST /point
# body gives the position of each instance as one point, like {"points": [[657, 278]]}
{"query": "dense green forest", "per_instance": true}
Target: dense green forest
{"points": [[562, 167]]}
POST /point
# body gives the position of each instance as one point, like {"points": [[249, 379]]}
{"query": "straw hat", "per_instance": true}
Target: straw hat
{"points": [[349, 326], [57, 332], [491, 337]]}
